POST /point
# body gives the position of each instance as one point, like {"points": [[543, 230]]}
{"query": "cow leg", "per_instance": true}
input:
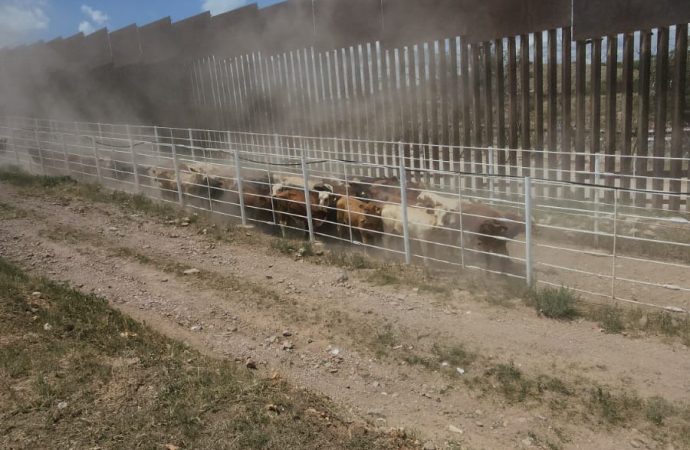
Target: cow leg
{"points": [[364, 236]]}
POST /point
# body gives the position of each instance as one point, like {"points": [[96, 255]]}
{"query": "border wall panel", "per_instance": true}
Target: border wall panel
{"points": [[125, 46], [158, 42], [96, 49], [340, 24], [287, 26], [594, 18], [190, 34], [234, 32]]}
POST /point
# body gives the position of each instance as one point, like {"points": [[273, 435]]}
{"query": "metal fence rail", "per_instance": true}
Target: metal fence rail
{"points": [[595, 239]]}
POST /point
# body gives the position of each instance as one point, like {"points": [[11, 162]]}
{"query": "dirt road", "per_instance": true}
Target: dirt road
{"points": [[344, 336]]}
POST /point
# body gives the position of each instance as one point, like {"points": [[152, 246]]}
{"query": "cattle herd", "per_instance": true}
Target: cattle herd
{"points": [[365, 210]]}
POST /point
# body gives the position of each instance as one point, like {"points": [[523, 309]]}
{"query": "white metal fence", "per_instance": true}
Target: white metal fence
{"points": [[595, 239]]}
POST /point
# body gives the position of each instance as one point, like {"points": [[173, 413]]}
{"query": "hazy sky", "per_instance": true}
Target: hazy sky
{"points": [[26, 21]]}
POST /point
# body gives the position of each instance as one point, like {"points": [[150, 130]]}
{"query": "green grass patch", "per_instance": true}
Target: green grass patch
{"points": [[455, 355], [614, 408], [349, 260], [610, 318], [554, 303], [292, 247], [80, 374], [9, 212]]}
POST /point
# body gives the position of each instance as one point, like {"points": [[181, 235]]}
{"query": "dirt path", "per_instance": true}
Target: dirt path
{"points": [[245, 297]]}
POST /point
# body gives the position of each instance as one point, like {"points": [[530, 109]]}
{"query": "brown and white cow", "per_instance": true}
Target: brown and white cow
{"points": [[361, 216], [425, 225], [193, 181], [290, 205]]}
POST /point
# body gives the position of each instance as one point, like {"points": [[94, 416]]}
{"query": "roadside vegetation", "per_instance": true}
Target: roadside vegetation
{"points": [[76, 373]]}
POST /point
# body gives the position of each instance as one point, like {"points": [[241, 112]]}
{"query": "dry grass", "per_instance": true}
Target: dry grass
{"points": [[9, 212], [95, 378]]}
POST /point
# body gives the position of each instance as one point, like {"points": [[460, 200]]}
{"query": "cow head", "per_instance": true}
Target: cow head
{"points": [[325, 193]]}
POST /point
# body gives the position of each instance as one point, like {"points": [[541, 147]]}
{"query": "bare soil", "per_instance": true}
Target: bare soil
{"points": [[348, 337]]}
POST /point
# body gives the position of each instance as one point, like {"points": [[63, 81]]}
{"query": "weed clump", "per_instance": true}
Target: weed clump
{"points": [[611, 319], [656, 409], [554, 303]]}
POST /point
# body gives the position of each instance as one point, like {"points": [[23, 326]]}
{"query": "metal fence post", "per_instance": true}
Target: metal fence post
{"points": [[38, 147], [14, 147], [347, 200], [403, 204], [240, 189], [307, 199], [134, 159], [64, 152], [462, 238], [491, 175], [180, 196], [191, 143], [98, 162], [597, 194], [529, 274], [279, 148], [613, 250]]}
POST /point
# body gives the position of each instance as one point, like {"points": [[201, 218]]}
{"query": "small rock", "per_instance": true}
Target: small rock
{"points": [[287, 345], [335, 351], [36, 294], [635, 443], [287, 333], [47, 327], [112, 228], [460, 370], [527, 442], [191, 271], [479, 424], [454, 429], [333, 370], [196, 328], [251, 364], [164, 280], [62, 405]]}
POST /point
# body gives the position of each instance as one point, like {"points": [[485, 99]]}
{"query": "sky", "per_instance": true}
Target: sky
{"points": [[27, 21]]}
